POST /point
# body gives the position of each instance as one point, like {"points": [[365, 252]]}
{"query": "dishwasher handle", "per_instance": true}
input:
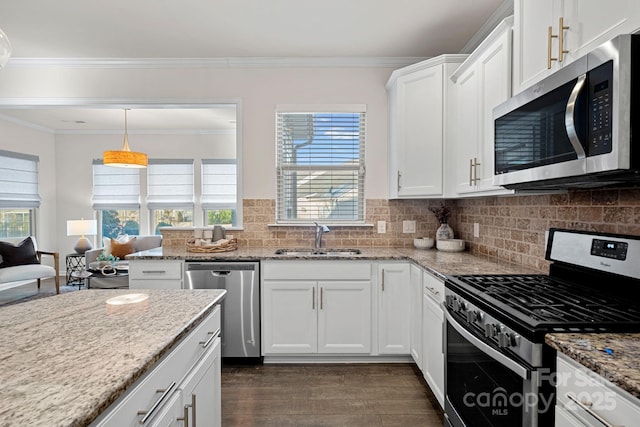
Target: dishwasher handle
{"points": [[220, 273]]}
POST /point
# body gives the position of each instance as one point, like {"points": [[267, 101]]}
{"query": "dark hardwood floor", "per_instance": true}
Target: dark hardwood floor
{"points": [[327, 395]]}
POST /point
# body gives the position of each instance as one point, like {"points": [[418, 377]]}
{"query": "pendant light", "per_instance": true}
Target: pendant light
{"points": [[125, 158], [5, 49]]}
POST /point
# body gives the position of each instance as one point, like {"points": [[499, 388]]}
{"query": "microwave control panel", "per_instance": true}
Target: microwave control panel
{"points": [[600, 106]]}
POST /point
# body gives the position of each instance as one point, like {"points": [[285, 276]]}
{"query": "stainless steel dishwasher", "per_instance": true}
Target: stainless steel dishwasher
{"points": [[240, 307]]}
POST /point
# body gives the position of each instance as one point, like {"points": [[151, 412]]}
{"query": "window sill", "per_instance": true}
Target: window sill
{"points": [[329, 224]]}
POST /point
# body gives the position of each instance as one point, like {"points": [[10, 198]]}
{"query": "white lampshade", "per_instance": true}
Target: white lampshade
{"points": [[80, 227]]}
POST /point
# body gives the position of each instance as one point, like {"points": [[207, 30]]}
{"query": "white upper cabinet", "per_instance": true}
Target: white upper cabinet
{"points": [[419, 126], [586, 24], [481, 83]]}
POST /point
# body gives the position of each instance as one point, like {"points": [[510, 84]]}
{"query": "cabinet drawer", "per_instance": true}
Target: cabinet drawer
{"points": [[601, 397], [433, 287], [143, 270], [316, 270]]}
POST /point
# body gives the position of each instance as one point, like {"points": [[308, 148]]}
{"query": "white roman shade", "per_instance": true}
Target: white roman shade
{"points": [[219, 184], [115, 188], [320, 166], [170, 184], [18, 180]]}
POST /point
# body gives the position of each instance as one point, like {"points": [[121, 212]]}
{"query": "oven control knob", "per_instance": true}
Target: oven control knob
{"points": [[473, 316], [506, 339], [457, 305], [449, 300], [489, 330]]}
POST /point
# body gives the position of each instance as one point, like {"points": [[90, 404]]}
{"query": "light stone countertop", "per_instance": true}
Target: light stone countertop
{"points": [[64, 359], [621, 367], [438, 262]]}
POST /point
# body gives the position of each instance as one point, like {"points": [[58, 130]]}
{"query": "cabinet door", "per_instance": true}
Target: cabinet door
{"points": [[468, 128], [530, 36], [416, 315], [394, 290], [290, 318], [420, 132], [344, 317], [201, 390], [494, 84], [433, 354]]}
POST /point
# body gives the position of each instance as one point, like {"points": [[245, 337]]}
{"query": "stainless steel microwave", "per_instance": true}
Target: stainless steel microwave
{"points": [[574, 128]]}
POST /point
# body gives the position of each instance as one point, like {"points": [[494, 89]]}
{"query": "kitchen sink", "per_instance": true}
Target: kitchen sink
{"points": [[318, 252]]}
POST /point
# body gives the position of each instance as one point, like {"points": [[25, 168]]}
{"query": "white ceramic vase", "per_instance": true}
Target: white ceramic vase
{"points": [[444, 232]]}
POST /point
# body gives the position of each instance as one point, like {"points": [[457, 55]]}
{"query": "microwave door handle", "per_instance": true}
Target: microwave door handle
{"points": [[569, 118]]}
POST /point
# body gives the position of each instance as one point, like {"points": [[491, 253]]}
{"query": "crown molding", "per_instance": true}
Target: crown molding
{"points": [[229, 62], [503, 11]]}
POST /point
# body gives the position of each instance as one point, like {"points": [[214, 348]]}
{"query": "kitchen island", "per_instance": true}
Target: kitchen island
{"points": [[67, 358]]}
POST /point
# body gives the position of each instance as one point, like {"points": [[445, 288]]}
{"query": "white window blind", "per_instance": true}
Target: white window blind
{"points": [[115, 188], [170, 184], [219, 184], [320, 167], [18, 180]]}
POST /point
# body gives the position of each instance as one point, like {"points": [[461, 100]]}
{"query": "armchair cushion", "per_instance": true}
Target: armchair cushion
{"points": [[24, 253], [26, 272]]}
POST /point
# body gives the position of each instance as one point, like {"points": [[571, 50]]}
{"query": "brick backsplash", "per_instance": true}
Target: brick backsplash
{"points": [[259, 213], [512, 228]]}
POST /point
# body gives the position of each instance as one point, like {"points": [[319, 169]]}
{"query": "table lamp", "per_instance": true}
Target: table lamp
{"points": [[80, 227]]}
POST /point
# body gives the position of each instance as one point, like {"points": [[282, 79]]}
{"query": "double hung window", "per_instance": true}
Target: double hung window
{"points": [[320, 165], [19, 196]]}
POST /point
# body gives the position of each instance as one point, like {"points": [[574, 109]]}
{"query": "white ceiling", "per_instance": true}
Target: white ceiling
{"points": [[205, 29]]}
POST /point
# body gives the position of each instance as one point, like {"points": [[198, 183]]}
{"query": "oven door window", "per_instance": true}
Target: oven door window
{"points": [[482, 391]]}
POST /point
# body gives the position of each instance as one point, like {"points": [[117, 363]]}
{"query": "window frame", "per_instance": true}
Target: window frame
{"points": [[359, 167]]}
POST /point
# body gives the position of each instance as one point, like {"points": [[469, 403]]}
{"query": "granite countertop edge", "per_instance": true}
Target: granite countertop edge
{"points": [[613, 356], [436, 262]]}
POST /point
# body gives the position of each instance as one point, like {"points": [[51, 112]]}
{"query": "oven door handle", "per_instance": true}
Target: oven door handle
{"points": [[518, 369]]}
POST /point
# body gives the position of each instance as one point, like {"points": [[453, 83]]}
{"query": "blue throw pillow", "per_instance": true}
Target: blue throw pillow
{"points": [[20, 254]]}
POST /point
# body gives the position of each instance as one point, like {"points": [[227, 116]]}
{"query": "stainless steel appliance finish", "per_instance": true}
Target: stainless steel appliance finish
{"points": [[574, 128], [241, 307], [498, 370]]}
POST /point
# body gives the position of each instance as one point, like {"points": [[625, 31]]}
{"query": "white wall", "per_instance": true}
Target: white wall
{"points": [[259, 89], [14, 137]]}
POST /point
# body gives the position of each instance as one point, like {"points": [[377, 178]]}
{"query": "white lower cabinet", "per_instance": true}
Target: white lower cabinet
{"points": [[394, 317], [584, 398], [162, 397], [432, 335], [325, 315], [155, 274]]}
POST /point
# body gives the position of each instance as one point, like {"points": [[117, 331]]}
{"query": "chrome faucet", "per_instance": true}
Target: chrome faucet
{"points": [[320, 229]]}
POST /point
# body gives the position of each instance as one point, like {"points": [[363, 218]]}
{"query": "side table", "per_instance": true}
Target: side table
{"points": [[74, 262], [82, 276]]}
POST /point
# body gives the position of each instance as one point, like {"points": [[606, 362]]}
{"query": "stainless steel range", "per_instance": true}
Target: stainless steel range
{"points": [[498, 370]]}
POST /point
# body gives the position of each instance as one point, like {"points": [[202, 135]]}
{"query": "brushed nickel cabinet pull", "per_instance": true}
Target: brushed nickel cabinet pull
{"points": [[399, 175], [154, 271], [470, 173], [586, 406], [383, 280], [561, 49], [156, 405], [321, 298], [313, 299], [550, 36], [213, 336]]}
